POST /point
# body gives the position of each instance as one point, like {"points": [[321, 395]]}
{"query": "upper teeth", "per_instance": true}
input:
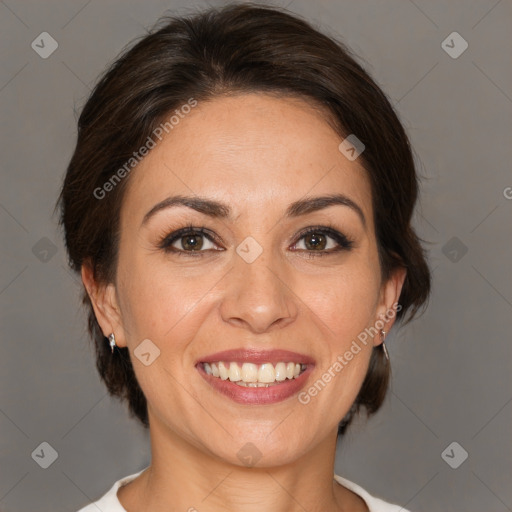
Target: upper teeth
{"points": [[250, 372]]}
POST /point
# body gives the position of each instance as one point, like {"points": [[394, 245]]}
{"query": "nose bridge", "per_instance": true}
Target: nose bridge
{"points": [[257, 296]]}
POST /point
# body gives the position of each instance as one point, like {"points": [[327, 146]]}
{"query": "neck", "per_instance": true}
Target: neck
{"points": [[183, 477]]}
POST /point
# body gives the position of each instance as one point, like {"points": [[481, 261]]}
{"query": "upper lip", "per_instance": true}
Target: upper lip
{"points": [[257, 356]]}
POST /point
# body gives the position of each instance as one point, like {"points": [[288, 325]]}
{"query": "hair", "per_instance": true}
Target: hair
{"points": [[236, 49]]}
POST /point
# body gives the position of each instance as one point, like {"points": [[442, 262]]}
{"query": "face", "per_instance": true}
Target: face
{"points": [[250, 263]]}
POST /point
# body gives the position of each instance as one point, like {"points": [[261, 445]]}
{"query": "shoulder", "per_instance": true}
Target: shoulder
{"points": [[109, 501], [374, 504]]}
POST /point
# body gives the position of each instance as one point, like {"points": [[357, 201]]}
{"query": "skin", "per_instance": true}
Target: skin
{"points": [[257, 154]]}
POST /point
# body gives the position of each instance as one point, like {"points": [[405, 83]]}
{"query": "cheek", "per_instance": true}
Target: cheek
{"points": [[342, 306], [158, 301], [345, 300], [163, 307]]}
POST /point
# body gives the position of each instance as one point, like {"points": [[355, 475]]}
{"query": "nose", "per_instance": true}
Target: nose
{"points": [[258, 296]]}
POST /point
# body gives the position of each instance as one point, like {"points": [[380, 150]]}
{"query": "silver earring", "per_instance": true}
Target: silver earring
{"points": [[112, 341], [383, 337]]}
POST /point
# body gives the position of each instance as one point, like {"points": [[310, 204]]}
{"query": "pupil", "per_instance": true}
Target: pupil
{"points": [[192, 242], [316, 241]]}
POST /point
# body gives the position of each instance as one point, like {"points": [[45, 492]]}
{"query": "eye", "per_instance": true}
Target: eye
{"points": [[188, 240], [322, 240], [314, 241]]}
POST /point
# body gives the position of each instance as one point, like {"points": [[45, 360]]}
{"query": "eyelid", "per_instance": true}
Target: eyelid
{"points": [[342, 241], [166, 242]]}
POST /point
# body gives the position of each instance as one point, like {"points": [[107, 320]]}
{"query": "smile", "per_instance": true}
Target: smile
{"points": [[251, 376], [254, 375]]}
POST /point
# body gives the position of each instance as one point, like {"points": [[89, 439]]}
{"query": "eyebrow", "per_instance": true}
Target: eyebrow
{"points": [[216, 209]]}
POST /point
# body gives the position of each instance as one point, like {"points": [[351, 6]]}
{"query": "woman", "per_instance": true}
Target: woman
{"points": [[239, 207]]}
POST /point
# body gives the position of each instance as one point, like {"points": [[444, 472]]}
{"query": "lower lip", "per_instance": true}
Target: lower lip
{"points": [[257, 396]]}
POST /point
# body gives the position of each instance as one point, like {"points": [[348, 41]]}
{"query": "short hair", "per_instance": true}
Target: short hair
{"points": [[236, 49]]}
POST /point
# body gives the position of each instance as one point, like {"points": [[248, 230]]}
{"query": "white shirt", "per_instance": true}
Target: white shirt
{"points": [[110, 503]]}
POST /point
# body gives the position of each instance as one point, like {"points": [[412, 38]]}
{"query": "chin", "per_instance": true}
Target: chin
{"points": [[258, 447]]}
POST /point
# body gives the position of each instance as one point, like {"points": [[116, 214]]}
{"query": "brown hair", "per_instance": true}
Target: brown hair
{"points": [[231, 50]]}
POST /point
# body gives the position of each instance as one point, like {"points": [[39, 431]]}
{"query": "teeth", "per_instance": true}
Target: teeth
{"points": [[249, 372], [266, 373], [235, 373], [253, 375], [255, 384], [280, 372], [223, 371]]}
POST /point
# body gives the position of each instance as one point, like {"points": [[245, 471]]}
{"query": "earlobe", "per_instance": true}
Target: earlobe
{"points": [[104, 303], [390, 295]]}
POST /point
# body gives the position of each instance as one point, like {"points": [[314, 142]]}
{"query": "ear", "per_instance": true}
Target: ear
{"points": [[105, 304], [389, 295]]}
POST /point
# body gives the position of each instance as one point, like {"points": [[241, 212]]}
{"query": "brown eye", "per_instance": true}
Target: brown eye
{"points": [[322, 240], [314, 241], [188, 240], [191, 242]]}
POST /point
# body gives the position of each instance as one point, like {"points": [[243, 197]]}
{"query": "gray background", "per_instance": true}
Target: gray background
{"points": [[451, 367]]}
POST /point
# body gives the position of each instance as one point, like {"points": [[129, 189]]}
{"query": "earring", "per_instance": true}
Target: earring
{"points": [[112, 341], [383, 337]]}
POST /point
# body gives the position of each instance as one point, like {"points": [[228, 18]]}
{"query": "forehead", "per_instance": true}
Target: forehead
{"points": [[252, 151]]}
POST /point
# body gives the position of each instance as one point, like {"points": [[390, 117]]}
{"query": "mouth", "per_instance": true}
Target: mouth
{"points": [[256, 377]]}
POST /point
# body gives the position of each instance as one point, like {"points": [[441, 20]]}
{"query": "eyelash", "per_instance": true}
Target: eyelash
{"points": [[344, 244]]}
